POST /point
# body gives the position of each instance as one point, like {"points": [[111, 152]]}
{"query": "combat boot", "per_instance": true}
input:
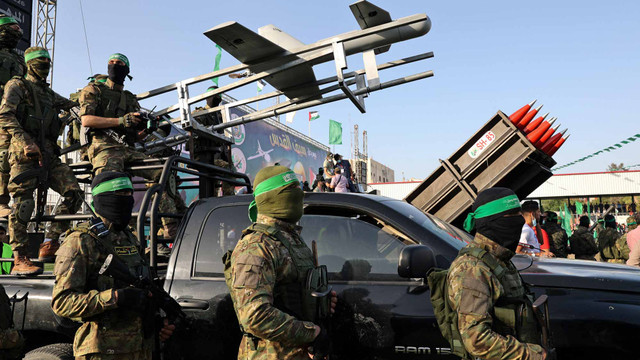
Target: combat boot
{"points": [[23, 266], [5, 210], [47, 252]]}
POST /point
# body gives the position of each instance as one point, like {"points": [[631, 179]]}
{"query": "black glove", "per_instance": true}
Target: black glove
{"points": [[132, 298], [321, 345]]}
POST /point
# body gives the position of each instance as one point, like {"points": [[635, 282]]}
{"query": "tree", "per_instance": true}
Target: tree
{"points": [[616, 167]]}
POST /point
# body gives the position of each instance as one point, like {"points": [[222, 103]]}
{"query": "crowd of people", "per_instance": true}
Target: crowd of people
{"points": [[335, 175], [606, 240]]}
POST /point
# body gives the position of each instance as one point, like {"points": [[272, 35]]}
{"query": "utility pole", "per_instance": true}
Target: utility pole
{"points": [[46, 28]]}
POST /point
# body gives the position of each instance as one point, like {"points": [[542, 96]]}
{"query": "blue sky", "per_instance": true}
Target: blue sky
{"points": [[578, 58]]}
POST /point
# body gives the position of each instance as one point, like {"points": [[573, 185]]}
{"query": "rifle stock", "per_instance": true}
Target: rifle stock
{"points": [[160, 299]]}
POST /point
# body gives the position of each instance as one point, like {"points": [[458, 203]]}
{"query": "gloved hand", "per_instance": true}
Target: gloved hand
{"points": [[32, 150], [132, 298], [321, 345], [129, 120]]}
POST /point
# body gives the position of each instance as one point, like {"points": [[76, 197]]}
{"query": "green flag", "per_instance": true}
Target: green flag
{"points": [[566, 220], [335, 133], [579, 208], [216, 66]]}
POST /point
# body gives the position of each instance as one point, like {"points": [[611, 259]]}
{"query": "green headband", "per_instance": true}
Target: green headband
{"points": [[272, 183], [120, 57], [552, 217], [116, 184], [632, 223], [8, 20], [610, 220], [491, 208], [36, 54]]}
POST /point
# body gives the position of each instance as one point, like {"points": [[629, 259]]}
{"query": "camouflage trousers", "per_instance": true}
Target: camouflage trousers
{"points": [[105, 157], [140, 355], [60, 180], [5, 168]]}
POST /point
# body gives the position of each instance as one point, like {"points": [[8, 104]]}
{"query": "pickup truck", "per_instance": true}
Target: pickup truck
{"points": [[594, 307]]}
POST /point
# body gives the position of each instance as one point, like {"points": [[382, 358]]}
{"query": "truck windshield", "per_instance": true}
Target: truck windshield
{"points": [[443, 230]]}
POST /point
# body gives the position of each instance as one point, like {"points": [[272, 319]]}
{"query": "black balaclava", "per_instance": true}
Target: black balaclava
{"points": [[115, 208], [9, 36], [584, 221], [117, 73], [503, 230], [214, 100], [610, 221]]}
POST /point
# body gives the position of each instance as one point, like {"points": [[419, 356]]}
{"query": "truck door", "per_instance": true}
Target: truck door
{"points": [[198, 285], [380, 314]]}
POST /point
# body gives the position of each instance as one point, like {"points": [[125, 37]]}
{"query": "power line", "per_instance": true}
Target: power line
{"points": [[86, 39]]}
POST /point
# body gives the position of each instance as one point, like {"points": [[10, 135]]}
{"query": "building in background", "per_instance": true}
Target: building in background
{"points": [[376, 172]]}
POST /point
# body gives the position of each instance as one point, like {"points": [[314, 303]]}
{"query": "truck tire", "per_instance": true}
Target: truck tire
{"points": [[61, 351]]}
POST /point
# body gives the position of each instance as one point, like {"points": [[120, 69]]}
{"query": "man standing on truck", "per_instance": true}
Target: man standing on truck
{"points": [[267, 275], [484, 288], [29, 114], [12, 65], [113, 118], [113, 315]]}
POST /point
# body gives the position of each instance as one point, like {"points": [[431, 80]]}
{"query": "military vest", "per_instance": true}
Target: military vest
{"points": [[36, 112], [128, 251], [113, 104], [293, 297], [513, 312], [11, 64]]}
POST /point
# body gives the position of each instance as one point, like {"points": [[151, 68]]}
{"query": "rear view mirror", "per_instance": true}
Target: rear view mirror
{"points": [[415, 261]]}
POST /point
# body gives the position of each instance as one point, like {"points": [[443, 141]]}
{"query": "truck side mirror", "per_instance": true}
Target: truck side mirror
{"points": [[415, 261]]}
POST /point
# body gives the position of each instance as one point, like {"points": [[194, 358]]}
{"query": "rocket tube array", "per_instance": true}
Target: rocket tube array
{"points": [[539, 131]]}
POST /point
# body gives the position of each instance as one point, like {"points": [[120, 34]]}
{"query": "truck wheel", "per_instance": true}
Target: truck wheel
{"points": [[62, 351]]}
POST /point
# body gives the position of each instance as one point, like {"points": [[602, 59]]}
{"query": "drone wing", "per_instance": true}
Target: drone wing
{"points": [[267, 51]]}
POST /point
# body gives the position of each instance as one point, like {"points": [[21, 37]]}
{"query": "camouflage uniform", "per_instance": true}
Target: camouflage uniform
{"points": [[259, 267], [79, 293], [558, 237], [105, 153], [582, 244], [474, 291], [18, 102], [612, 249], [211, 151], [11, 64]]}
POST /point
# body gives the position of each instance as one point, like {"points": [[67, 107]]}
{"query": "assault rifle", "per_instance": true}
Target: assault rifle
{"points": [[41, 173], [160, 299]]}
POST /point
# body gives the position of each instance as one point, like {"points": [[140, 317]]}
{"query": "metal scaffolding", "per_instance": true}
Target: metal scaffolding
{"points": [[46, 28]]}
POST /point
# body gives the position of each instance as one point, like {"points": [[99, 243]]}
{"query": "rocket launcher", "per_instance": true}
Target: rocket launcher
{"points": [[527, 118], [547, 135], [536, 134], [520, 113]]}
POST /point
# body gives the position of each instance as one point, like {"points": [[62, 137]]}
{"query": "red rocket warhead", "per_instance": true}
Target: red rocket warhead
{"points": [[547, 135], [546, 148], [528, 117], [558, 145], [536, 134], [518, 115], [534, 124]]}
